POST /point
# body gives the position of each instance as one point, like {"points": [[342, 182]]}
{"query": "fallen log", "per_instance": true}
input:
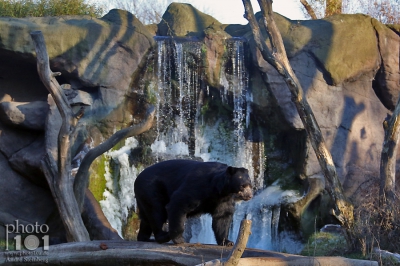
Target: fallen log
{"points": [[120, 252]]}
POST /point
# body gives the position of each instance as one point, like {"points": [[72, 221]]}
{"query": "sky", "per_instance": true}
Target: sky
{"points": [[231, 11]]}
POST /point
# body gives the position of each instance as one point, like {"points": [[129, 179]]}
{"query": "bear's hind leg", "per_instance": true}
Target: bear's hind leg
{"points": [[145, 230], [158, 218], [177, 219]]}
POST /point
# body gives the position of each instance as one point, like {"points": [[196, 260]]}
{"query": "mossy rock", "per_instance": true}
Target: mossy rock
{"points": [[97, 181], [87, 48], [325, 244], [345, 46], [214, 53], [184, 20], [131, 228]]}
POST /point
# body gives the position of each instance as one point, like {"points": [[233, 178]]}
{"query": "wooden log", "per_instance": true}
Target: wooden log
{"points": [[100, 252], [240, 244]]}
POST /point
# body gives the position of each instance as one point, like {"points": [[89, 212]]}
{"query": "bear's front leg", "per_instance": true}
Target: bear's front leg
{"points": [[221, 221]]}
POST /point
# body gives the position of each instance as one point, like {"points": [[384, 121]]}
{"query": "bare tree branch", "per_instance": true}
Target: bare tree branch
{"points": [[82, 176], [59, 178], [278, 59], [309, 9]]}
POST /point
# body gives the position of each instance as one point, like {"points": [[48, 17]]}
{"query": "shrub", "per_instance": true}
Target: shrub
{"points": [[42, 8], [377, 226]]}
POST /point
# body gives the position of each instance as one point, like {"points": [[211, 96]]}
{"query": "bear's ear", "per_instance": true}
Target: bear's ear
{"points": [[231, 170]]}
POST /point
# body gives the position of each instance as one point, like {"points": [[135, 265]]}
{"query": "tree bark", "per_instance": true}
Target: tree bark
{"points": [[276, 56], [58, 172], [391, 126], [240, 244], [309, 9], [82, 176]]}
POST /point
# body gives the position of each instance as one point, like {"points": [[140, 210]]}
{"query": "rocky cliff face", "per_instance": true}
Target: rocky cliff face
{"points": [[348, 66]]}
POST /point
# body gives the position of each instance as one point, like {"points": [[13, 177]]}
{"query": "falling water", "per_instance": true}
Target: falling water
{"points": [[119, 196], [183, 132], [175, 128]]}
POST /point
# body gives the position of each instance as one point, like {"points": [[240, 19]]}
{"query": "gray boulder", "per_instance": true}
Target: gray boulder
{"points": [[28, 115], [89, 52], [21, 200], [27, 161]]}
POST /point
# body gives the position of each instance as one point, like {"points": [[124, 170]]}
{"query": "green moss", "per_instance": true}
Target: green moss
{"points": [[205, 109], [97, 181], [150, 93], [3, 244], [131, 227], [150, 68], [325, 244], [203, 50], [11, 243], [185, 20]]}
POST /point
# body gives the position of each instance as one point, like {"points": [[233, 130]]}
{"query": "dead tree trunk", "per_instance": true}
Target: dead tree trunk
{"points": [[276, 56], [58, 171], [69, 192], [391, 126]]}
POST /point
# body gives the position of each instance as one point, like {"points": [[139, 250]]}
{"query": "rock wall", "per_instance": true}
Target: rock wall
{"points": [[348, 66], [98, 58]]}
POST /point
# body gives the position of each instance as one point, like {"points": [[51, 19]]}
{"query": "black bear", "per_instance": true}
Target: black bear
{"points": [[177, 189]]}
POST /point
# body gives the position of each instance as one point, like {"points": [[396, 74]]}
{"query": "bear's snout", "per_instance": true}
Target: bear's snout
{"points": [[246, 194]]}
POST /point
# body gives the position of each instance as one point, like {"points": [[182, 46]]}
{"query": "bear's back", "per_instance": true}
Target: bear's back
{"points": [[175, 173]]}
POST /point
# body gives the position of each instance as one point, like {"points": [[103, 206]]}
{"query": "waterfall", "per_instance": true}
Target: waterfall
{"points": [[175, 132], [119, 196], [184, 131], [264, 212], [213, 141]]}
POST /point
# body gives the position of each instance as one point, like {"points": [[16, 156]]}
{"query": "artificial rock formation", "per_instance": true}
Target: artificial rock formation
{"points": [[348, 66], [97, 58]]}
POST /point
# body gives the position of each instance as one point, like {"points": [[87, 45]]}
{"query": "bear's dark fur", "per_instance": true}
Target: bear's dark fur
{"points": [[177, 189]]}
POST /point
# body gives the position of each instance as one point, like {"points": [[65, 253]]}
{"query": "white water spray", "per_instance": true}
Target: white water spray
{"points": [[119, 196]]}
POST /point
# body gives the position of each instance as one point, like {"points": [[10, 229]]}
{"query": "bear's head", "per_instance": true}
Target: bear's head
{"points": [[240, 183]]}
